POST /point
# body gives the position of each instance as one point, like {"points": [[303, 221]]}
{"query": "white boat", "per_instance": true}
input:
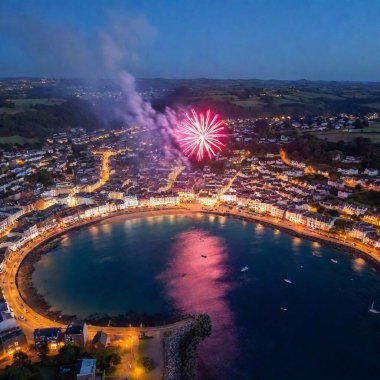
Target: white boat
{"points": [[283, 308], [334, 261], [372, 309], [244, 269], [288, 280]]}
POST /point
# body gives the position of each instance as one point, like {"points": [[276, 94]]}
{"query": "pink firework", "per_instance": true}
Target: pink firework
{"points": [[200, 135]]}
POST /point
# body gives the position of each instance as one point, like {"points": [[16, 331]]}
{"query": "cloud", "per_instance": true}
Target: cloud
{"points": [[56, 49], [124, 38]]}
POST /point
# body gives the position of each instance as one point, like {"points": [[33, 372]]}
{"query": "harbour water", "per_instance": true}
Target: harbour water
{"points": [[316, 327]]}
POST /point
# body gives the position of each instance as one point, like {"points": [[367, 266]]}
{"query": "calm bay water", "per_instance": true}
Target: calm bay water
{"points": [[154, 265]]}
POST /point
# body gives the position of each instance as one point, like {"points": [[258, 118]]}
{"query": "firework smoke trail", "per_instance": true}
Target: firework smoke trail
{"points": [[137, 111], [199, 135]]}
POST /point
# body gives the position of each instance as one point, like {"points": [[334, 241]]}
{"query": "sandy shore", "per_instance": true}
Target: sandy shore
{"points": [[36, 301]]}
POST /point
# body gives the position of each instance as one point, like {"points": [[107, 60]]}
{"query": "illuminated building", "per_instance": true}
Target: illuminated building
{"points": [[52, 337]]}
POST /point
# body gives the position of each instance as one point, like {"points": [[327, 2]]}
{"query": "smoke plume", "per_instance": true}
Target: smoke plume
{"points": [[111, 51]]}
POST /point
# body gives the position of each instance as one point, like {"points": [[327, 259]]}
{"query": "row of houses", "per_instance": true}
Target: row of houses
{"points": [[12, 338], [311, 220], [76, 334], [366, 233]]}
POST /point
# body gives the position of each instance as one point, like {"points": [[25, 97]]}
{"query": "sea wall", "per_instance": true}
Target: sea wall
{"points": [[180, 347]]}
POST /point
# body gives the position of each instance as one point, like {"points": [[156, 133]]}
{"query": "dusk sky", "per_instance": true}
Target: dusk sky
{"points": [[265, 39]]}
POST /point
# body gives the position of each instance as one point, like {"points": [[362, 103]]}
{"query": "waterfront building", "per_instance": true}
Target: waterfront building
{"points": [[361, 230], [318, 221], [76, 334], [20, 236], [207, 199], [165, 199], [229, 196], [186, 194], [295, 216], [277, 211], [372, 239], [8, 216], [130, 201]]}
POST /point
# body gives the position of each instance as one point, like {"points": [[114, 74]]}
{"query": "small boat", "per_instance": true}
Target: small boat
{"points": [[372, 309], [204, 256], [244, 269], [288, 280], [283, 308], [334, 261]]}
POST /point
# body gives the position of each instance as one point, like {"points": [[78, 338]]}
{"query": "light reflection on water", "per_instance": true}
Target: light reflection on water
{"points": [[358, 264], [195, 285]]}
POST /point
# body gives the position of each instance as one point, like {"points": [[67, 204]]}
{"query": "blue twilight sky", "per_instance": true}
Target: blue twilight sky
{"points": [[281, 39]]}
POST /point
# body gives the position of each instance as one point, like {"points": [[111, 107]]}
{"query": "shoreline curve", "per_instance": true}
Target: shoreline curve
{"points": [[12, 278]]}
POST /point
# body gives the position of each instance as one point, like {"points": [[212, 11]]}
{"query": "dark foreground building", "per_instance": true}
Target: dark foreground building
{"points": [[12, 340], [76, 333], [51, 337]]}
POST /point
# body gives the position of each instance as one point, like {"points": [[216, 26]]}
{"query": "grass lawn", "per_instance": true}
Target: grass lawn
{"points": [[17, 140]]}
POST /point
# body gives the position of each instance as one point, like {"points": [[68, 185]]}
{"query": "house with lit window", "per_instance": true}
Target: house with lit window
{"points": [[318, 221], [361, 230], [295, 216], [51, 337]]}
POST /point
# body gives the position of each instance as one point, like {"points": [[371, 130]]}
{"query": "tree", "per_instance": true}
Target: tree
{"points": [[21, 368], [148, 363], [21, 359], [68, 354], [18, 373], [107, 358]]}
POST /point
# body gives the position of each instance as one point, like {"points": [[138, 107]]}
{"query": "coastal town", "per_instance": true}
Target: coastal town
{"points": [[78, 177]]}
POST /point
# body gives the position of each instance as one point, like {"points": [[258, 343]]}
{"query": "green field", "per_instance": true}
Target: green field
{"points": [[334, 136], [27, 103], [373, 127], [250, 103], [17, 140], [316, 95], [373, 105], [10, 111]]}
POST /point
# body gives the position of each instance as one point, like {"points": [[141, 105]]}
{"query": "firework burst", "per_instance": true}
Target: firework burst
{"points": [[200, 135]]}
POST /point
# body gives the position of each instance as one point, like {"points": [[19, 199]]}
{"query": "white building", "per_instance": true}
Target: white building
{"points": [[164, 200]]}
